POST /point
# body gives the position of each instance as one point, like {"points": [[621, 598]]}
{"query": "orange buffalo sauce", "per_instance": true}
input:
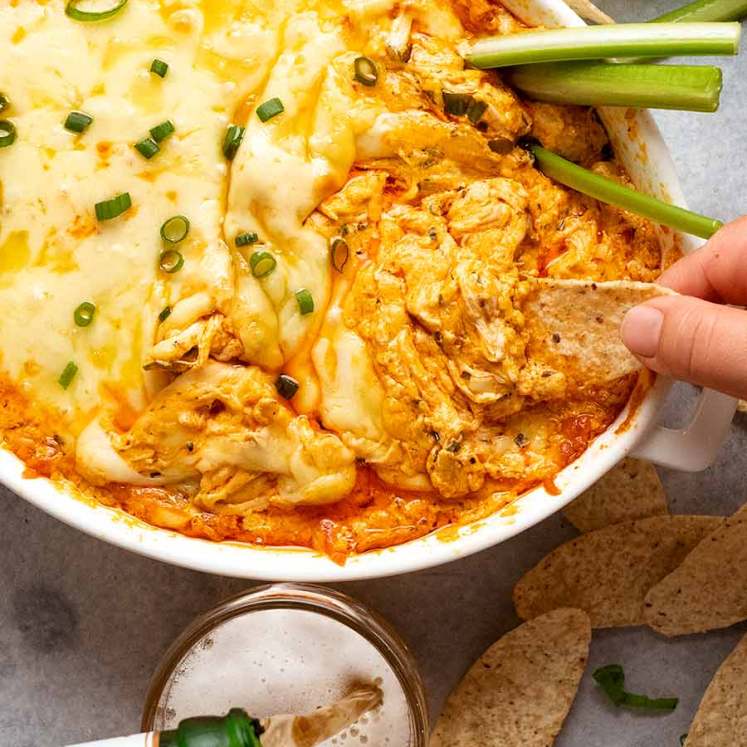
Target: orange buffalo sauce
{"points": [[375, 515]]}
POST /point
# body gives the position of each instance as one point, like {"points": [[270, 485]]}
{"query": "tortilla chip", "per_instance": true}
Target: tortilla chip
{"points": [[589, 12], [608, 572], [631, 490], [574, 326], [722, 715], [518, 693], [741, 406], [709, 589]]}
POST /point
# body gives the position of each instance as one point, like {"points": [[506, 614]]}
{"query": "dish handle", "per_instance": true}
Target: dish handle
{"points": [[693, 448]]}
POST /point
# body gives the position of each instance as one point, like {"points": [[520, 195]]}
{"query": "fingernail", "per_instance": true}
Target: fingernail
{"points": [[641, 330]]}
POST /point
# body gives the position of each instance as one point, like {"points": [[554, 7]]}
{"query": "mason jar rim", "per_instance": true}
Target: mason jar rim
{"points": [[312, 598]]}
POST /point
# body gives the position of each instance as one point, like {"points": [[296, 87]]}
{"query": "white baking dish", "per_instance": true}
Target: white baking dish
{"points": [[639, 144]]}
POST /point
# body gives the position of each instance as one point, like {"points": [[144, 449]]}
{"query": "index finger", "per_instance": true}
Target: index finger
{"points": [[716, 271]]}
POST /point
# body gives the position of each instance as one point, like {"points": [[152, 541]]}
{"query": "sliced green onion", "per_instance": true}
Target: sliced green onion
{"points": [[4, 102], [175, 229], [84, 314], [262, 264], [305, 301], [232, 141], [475, 110], [501, 145], [610, 191], [456, 104], [67, 375], [7, 133], [78, 121], [159, 67], [286, 385], [365, 71], [112, 208], [270, 108], [599, 42], [72, 11], [147, 147], [162, 131], [165, 314], [683, 87], [246, 238], [612, 681], [171, 261], [339, 253], [705, 10]]}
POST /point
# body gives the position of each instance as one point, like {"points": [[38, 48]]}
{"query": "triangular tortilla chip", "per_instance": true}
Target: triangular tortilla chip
{"points": [[631, 490], [589, 12], [573, 326], [709, 589], [722, 715], [608, 572], [518, 693]]}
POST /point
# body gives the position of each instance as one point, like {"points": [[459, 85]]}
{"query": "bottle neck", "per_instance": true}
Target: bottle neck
{"points": [[235, 729]]}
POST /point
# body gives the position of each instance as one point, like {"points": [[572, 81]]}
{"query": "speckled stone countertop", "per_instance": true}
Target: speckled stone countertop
{"points": [[83, 624]]}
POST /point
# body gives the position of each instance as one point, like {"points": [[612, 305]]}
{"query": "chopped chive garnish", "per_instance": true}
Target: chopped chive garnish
{"points": [[71, 10], [305, 301], [612, 681], [286, 385], [456, 104], [501, 145], [112, 208], [147, 147], [4, 102], [365, 71], [159, 67], [684, 87], [84, 314], [612, 192], [475, 110], [175, 229], [165, 314], [262, 264], [706, 10], [271, 108], [339, 253], [246, 238], [162, 131], [78, 121], [67, 375], [232, 141], [171, 261], [601, 42], [7, 133]]}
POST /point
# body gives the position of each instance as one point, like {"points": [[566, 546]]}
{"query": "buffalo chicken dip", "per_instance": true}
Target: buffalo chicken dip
{"points": [[264, 266]]}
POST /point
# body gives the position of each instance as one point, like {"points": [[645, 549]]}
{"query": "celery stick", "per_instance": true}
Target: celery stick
{"points": [[599, 42], [684, 87], [705, 11], [609, 191]]}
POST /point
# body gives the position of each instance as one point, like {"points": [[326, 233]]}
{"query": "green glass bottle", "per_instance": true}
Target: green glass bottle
{"points": [[235, 729]]}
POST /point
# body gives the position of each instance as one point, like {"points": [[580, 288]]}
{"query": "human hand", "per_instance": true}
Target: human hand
{"points": [[696, 337]]}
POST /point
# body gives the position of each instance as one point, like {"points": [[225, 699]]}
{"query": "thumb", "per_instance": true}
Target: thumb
{"points": [[690, 339]]}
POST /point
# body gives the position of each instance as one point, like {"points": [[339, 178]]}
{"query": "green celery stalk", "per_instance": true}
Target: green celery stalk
{"points": [[702, 11], [599, 42], [613, 193], [705, 11], [684, 87]]}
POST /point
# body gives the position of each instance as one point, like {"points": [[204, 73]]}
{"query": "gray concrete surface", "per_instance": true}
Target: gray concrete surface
{"points": [[82, 624]]}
